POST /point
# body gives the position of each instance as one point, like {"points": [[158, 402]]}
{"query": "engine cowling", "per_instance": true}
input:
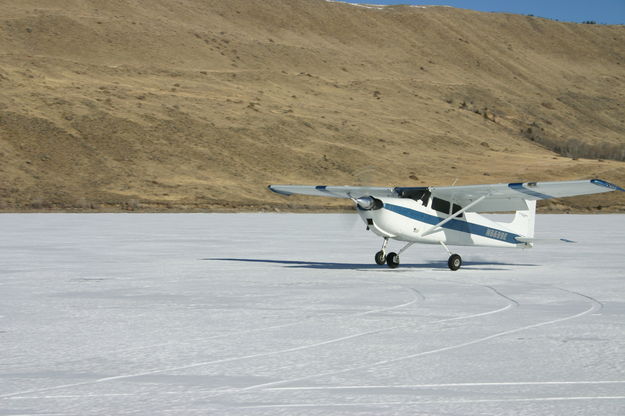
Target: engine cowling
{"points": [[368, 203]]}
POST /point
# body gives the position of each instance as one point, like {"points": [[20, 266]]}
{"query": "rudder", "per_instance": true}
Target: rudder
{"points": [[524, 220]]}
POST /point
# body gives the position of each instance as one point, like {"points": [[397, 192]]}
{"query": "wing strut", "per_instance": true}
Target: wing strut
{"points": [[435, 228]]}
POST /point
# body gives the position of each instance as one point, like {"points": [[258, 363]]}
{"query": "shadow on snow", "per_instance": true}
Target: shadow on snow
{"points": [[300, 264]]}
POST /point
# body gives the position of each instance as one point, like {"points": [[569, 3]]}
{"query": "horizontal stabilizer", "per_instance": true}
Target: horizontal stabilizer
{"points": [[544, 240]]}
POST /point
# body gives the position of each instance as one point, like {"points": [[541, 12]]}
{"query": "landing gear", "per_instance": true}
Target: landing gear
{"points": [[454, 262], [380, 257], [392, 260]]}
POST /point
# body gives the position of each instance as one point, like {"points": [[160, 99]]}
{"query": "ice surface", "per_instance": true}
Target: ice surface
{"points": [[265, 314]]}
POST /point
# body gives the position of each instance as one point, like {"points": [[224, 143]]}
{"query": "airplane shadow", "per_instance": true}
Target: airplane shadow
{"points": [[298, 264]]}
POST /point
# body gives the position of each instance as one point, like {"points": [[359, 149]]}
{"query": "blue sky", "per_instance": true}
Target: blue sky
{"points": [[601, 11]]}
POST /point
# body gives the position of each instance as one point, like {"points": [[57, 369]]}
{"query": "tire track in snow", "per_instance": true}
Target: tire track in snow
{"points": [[439, 385], [425, 402], [594, 307], [511, 303], [360, 387], [418, 295]]}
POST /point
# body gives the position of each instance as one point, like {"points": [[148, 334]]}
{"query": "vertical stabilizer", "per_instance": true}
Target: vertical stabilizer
{"points": [[523, 222]]}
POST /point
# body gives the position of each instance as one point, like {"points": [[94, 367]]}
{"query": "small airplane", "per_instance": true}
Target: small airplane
{"points": [[449, 215]]}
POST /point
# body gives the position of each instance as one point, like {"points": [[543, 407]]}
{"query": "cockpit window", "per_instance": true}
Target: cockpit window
{"points": [[456, 208], [441, 205], [422, 195]]}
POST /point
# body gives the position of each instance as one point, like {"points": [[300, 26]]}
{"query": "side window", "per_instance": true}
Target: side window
{"points": [[457, 208], [440, 205]]}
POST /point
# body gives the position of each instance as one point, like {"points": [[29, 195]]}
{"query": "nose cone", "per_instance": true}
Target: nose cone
{"points": [[365, 202]]}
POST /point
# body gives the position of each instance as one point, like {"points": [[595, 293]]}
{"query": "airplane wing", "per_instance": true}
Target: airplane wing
{"points": [[496, 197], [334, 191], [512, 196]]}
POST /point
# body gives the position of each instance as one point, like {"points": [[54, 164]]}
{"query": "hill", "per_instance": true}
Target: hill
{"points": [[199, 104]]}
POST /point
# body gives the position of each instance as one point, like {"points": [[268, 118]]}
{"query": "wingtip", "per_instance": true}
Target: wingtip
{"points": [[277, 191], [607, 184]]}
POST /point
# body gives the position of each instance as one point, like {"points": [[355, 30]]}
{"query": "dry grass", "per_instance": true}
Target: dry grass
{"points": [[198, 105]]}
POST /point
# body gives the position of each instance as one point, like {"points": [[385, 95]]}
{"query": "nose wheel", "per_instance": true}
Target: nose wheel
{"points": [[392, 260], [380, 257]]}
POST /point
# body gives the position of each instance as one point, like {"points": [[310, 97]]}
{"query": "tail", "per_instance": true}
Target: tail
{"points": [[523, 222]]}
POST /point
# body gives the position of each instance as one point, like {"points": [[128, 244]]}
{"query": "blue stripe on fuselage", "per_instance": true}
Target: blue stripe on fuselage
{"points": [[455, 224], [519, 187]]}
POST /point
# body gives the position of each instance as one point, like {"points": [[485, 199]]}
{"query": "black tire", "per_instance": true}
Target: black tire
{"points": [[454, 262], [380, 257], [392, 260]]}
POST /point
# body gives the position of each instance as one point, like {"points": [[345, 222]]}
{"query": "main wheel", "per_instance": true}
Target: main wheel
{"points": [[380, 257], [454, 262], [392, 259]]}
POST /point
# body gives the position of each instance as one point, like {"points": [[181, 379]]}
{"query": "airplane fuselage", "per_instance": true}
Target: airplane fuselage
{"points": [[407, 220], [448, 215]]}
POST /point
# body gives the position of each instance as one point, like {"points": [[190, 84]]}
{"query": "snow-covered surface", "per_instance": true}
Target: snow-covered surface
{"points": [[366, 6], [265, 314], [379, 6]]}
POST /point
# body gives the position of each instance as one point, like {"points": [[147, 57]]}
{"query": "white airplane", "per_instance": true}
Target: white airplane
{"points": [[448, 215]]}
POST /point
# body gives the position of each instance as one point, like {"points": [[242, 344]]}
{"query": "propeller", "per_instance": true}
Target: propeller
{"points": [[364, 176], [365, 202]]}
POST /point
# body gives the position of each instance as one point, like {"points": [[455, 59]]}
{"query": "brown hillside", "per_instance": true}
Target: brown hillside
{"points": [[199, 104]]}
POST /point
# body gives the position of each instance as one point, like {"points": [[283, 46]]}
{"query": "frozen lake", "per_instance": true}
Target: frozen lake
{"points": [[266, 314]]}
